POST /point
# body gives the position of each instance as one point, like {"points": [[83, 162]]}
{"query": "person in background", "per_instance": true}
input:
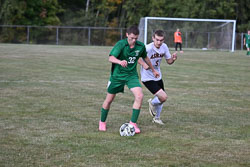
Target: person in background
{"points": [[247, 42], [178, 40]]}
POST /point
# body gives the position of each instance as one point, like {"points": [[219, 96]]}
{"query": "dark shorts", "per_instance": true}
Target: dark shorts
{"points": [[154, 86]]}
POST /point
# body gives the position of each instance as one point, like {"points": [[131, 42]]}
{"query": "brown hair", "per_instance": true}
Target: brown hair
{"points": [[133, 30], [159, 33]]}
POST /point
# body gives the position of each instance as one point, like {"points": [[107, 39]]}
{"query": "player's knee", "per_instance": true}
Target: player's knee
{"points": [[163, 98], [139, 97]]}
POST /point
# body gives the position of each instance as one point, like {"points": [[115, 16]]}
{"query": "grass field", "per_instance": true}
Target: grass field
{"points": [[51, 96]]}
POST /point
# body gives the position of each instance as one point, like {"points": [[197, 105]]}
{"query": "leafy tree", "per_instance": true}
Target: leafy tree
{"points": [[132, 11], [160, 8], [28, 12], [10, 11], [118, 13], [242, 15]]}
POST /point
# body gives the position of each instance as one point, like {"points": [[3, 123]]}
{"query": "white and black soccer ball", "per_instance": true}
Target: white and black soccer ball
{"points": [[127, 130]]}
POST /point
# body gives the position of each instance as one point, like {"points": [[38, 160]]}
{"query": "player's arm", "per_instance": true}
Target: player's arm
{"points": [[144, 65], [114, 60], [147, 60], [172, 59]]}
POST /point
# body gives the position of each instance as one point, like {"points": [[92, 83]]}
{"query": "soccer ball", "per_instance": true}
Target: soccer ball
{"points": [[127, 130]]}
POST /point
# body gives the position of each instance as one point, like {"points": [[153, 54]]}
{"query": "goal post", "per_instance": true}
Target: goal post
{"points": [[211, 34]]}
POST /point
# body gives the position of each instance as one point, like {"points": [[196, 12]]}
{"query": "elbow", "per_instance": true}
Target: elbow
{"points": [[111, 58]]}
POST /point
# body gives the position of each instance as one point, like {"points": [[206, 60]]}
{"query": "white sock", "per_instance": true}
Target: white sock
{"points": [[155, 101], [158, 110]]}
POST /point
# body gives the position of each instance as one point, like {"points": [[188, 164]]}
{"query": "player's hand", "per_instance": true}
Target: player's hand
{"points": [[156, 74], [174, 56], [123, 63]]}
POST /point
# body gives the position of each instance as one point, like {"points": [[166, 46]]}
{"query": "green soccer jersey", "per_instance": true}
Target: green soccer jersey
{"points": [[122, 51], [247, 37]]}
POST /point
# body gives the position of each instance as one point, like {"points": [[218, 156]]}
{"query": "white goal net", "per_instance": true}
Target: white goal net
{"points": [[211, 34]]}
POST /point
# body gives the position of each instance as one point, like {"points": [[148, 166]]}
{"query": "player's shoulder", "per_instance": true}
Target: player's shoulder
{"points": [[121, 43], [150, 46], [164, 46], [139, 43]]}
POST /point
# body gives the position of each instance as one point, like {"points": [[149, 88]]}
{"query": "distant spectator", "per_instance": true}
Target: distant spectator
{"points": [[247, 42], [178, 40]]}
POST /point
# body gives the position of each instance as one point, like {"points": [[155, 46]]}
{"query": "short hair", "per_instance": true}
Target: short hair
{"points": [[159, 33], [133, 30]]}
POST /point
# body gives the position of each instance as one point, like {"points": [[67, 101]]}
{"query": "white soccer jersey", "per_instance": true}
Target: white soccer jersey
{"points": [[155, 55]]}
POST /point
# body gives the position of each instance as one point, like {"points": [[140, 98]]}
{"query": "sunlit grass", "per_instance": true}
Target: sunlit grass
{"points": [[51, 96]]}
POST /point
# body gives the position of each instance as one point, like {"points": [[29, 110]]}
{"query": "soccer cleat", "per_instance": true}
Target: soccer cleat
{"points": [[102, 126], [137, 130], [158, 121], [151, 108]]}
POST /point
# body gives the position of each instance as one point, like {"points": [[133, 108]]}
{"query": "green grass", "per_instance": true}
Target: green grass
{"points": [[51, 96]]}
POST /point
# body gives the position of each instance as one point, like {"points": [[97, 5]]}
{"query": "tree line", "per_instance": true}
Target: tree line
{"points": [[118, 13]]}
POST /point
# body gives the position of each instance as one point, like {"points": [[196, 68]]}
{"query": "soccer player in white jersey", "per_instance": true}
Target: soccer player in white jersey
{"points": [[156, 51]]}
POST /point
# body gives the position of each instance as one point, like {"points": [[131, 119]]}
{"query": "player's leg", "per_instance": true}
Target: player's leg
{"points": [[156, 104], [153, 87], [134, 85], [137, 91], [157, 89], [104, 111], [176, 46], [161, 95], [158, 101], [114, 87], [138, 95], [160, 98], [106, 105], [248, 49]]}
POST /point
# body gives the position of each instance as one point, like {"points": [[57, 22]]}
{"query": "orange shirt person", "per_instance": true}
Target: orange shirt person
{"points": [[178, 40]]}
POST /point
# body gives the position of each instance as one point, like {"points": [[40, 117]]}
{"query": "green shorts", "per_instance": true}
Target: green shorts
{"points": [[117, 85]]}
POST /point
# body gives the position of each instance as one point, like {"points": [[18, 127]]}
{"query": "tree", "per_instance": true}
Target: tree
{"points": [[242, 15], [118, 13], [42, 12], [132, 11]]}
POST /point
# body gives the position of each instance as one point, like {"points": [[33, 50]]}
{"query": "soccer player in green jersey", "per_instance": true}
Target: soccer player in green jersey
{"points": [[247, 42], [124, 57]]}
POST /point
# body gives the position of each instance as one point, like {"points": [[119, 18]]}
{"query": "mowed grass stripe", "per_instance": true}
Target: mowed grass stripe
{"points": [[51, 96]]}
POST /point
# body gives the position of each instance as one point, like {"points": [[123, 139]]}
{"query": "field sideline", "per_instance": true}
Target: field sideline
{"points": [[51, 96]]}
